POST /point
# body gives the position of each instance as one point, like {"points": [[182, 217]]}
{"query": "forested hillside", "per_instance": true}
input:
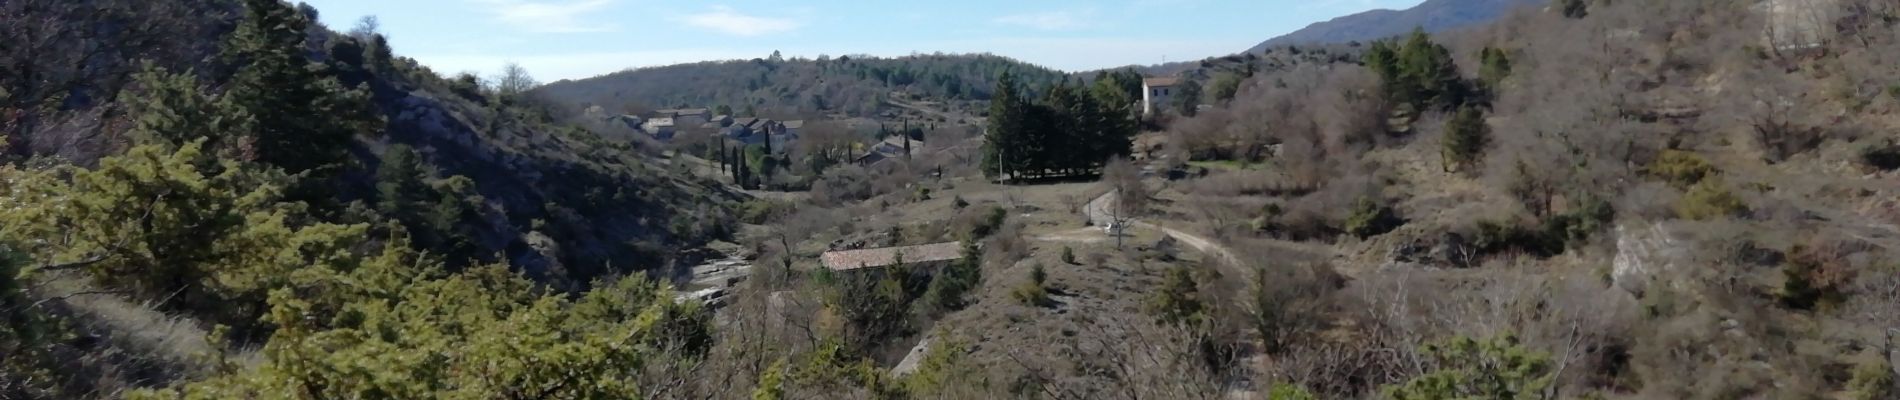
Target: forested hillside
{"points": [[1432, 15], [851, 85], [232, 164]]}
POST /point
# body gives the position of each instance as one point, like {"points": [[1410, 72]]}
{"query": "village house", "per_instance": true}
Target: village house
{"points": [[784, 134], [894, 147], [686, 116], [741, 131], [751, 131], [633, 122], [660, 128], [1156, 93], [927, 257]]}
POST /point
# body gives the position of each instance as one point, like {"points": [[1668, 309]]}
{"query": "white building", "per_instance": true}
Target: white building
{"points": [[660, 128], [1156, 93]]}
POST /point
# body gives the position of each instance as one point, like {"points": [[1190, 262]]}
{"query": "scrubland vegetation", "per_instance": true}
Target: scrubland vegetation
{"points": [[1628, 199]]}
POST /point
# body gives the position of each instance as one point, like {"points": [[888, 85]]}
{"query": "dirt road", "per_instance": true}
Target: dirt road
{"points": [[1101, 212]]}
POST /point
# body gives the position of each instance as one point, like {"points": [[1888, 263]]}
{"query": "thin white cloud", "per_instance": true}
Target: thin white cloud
{"points": [[723, 19], [548, 16], [1050, 21]]}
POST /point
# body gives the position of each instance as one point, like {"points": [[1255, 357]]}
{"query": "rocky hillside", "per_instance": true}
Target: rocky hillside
{"points": [[558, 200], [1433, 16]]}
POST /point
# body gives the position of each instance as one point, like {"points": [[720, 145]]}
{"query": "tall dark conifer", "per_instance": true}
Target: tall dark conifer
{"points": [[1003, 145], [301, 119]]}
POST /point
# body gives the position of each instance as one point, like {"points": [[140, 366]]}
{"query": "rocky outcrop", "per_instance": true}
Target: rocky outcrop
{"points": [[1644, 250]]}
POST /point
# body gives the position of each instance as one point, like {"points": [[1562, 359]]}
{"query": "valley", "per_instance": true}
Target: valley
{"points": [[1467, 199]]}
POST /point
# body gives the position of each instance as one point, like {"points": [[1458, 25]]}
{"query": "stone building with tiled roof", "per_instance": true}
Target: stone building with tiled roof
{"points": [[850, 260]]}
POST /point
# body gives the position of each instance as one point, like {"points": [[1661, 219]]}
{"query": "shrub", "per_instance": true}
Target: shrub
{"points": [[1709, 199], [1371, 218], [758, 212], [1873, 379], [1885, 156], [1032, 293], [947, 289], [1498, 368], [1680, 168], [989, 223], [1177, 301], [1591, 215], [1493, 237], [1814, 277], [1068, 255], [1558, 233], [1287, 391]]}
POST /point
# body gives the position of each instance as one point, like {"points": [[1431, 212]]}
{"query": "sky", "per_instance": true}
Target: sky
{"points": [[575, 39]]}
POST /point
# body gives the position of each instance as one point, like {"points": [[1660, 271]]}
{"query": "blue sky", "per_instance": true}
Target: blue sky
{"points": [[572, 39]]}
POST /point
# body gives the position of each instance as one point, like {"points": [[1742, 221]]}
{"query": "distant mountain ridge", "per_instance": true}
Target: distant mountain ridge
{"points": [[851, 85], [1433, 15]]}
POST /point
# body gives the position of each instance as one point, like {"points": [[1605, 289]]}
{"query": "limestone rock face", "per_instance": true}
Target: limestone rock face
{"points": [[1644, 250]]}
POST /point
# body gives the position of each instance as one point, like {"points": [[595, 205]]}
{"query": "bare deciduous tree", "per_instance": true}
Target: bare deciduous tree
{"points": [[367, 28], [514, 80], [1131, 195]]}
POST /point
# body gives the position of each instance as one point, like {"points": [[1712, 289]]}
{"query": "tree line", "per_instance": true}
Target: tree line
{"points": [[1069, 131]]}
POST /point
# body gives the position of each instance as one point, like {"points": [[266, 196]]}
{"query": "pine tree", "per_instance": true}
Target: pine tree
{"points": [[301, 120], [1429, 72], [400, 181], [1417, 73], [1382, 59], [172, 109], [1466, 137], [1494, 68], [1003, 147]]}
